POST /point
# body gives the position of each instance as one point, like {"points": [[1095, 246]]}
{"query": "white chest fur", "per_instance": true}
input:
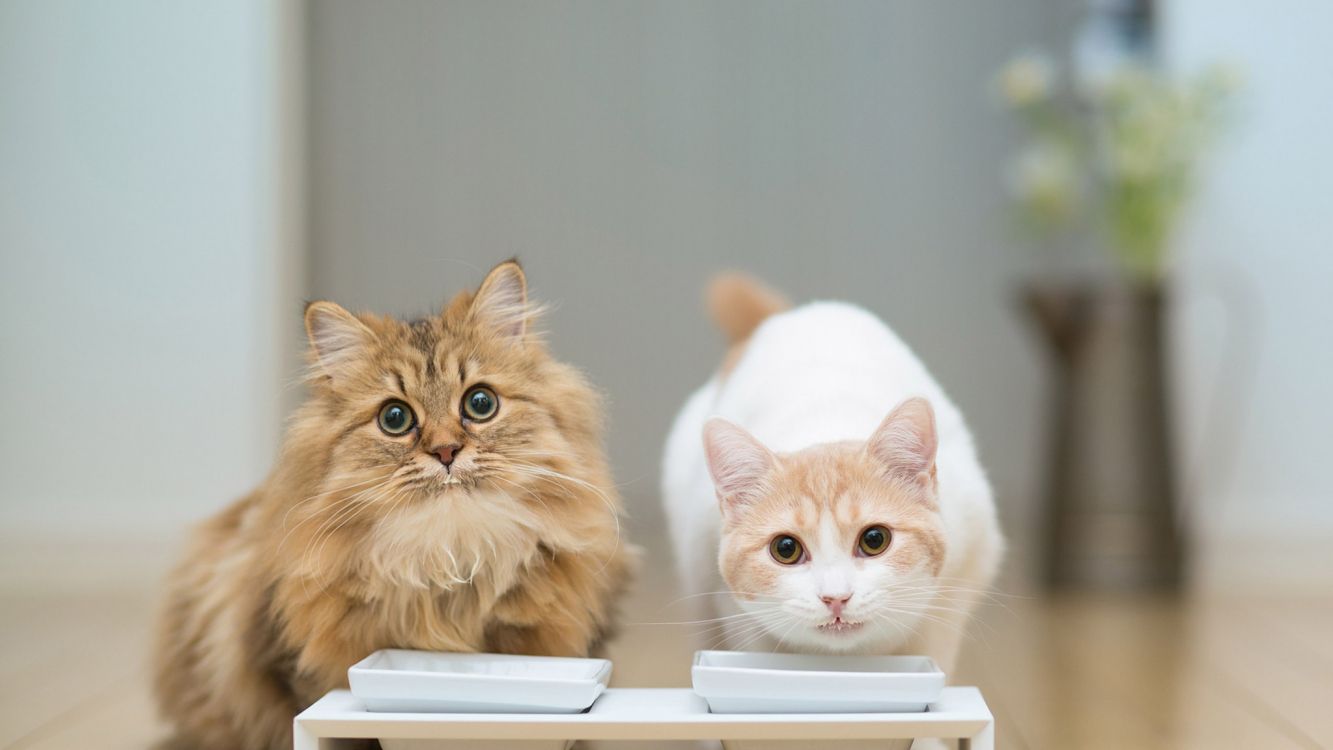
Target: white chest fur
{"points": [[461, 538]]}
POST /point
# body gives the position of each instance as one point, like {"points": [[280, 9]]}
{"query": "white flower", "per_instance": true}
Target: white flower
{"points": [[1044, 179], [1027, 79]]}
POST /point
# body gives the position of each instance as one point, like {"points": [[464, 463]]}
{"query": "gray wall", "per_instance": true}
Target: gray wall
{"points": [[626, 151]]}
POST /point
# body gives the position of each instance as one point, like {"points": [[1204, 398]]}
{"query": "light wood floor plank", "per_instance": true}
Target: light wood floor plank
{"points": [[1276, 672], [1304, 624], [119, 718], [65, 649]]}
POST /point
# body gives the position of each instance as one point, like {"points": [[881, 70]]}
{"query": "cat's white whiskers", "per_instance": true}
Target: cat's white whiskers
{"points": [[562, 456], [781, 641], [761, 631], [538, 471], [333, 490], [982, 594], [742, 638], [351, 507], [347, 503], [730, 633], [550, 475], [317, 495], [905, 630], [546, 509], [398, 500], [941, 603], [336, 511], [345, 517], [953, 627], [315, 549]]}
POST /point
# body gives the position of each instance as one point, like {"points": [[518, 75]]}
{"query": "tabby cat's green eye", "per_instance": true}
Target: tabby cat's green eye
{"points": [[874, 540], [480, 404], [396, 418], [786, 549]]}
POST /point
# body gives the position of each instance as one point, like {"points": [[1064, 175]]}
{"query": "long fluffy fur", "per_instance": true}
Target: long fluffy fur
{"points": [[359, 540]]}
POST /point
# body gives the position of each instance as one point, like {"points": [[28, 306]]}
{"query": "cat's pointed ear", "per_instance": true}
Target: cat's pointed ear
{"points": [[336, 336], [502, 301], [905, 442], [737, 461]]}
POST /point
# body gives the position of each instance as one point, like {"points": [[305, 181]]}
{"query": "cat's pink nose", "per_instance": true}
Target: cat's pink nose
{"points": [[835, 603], [446, 453]]}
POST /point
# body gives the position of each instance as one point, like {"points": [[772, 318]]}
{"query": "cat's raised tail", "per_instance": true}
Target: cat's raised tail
{"points": [[739, 302]]}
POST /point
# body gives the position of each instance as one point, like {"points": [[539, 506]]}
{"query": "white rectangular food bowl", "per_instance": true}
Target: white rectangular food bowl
{"points": [[400, 681], [739, 682]]}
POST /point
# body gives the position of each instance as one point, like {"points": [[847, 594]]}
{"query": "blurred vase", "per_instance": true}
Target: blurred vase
{"points": [[1110, 512]]}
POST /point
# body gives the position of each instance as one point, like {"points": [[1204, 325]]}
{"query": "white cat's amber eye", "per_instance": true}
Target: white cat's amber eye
{"points": [[874, 540], [480, 404], [786, 549], [396, 418]]}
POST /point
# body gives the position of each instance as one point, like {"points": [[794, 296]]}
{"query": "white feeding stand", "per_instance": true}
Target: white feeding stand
{"points": [[644, 714]]}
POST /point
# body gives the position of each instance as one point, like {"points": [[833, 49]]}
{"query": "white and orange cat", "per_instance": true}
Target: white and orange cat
{"points": [[823, 493]]}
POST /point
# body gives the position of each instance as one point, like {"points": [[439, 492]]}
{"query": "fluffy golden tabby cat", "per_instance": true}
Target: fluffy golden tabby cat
{"points": [[443, 488]]}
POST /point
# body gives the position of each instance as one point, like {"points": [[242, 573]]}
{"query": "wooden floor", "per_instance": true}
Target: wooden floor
{"points": [[1070, 672]]}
